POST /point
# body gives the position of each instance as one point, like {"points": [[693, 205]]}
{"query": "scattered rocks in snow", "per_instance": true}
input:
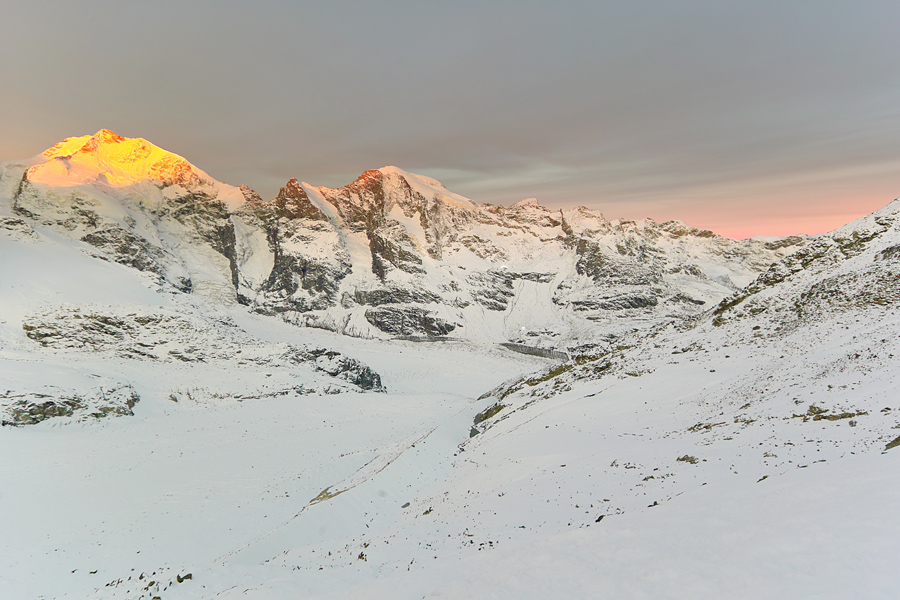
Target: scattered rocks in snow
{"points": [[18, 229]]}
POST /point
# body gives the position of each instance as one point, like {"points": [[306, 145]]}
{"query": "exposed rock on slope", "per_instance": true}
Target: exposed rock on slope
{"points": [[31, 407], [166, 337]]}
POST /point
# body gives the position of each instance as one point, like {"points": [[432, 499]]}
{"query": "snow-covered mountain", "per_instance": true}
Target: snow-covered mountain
{"points": [[135, 204], [743, 448], [115, 263], [391, 254], [398, 254]]}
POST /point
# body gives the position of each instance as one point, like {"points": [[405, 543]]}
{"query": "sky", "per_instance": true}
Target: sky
{"points": [[747, 118]]}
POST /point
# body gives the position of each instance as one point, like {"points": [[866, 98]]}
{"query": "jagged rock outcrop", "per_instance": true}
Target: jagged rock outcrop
{"points": [[303, 259], [19, 408], [408, 321]]}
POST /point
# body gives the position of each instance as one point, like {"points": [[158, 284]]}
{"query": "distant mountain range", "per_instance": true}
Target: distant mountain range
{"points": [[391, 254]]}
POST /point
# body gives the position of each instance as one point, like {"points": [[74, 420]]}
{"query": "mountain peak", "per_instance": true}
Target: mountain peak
{"points": [[105, 136], [86, 143], [105, 161], [527, 203], [389, 170], [113, 160]]}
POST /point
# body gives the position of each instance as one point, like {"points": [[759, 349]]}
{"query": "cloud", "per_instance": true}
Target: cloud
{"points": [[704, 109]]}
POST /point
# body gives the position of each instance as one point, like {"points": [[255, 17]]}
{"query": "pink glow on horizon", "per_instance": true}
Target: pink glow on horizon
{"points": [[796, 217], [774, 216], [781, 227]]}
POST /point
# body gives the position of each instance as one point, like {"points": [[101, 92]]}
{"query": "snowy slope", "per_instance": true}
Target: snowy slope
{"points": [[743, 455], [747, 454], [136, 416]]}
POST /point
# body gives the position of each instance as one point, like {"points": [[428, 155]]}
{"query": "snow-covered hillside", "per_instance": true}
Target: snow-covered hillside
{"points": [[165, 435], [124, 401]]}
